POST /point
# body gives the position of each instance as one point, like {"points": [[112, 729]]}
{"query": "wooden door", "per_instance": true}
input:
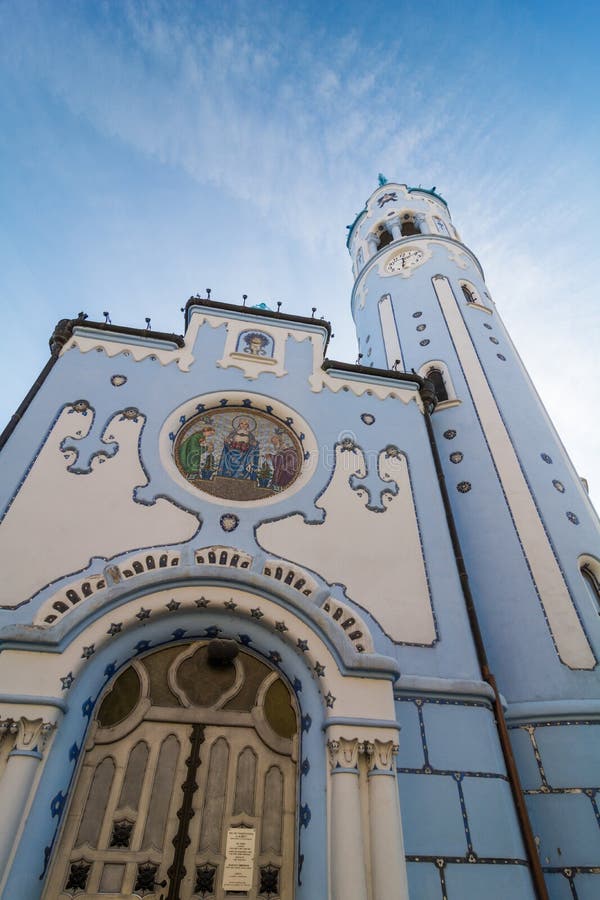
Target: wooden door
{"points": [[185, 759]]}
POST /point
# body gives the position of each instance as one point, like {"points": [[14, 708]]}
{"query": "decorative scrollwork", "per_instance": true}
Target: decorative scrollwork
{"points": [[121, 834], [78, 876], [269, 881], [205, 880]]}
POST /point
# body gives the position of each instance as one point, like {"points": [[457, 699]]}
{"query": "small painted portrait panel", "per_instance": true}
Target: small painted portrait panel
{"points": [[255, 343]]}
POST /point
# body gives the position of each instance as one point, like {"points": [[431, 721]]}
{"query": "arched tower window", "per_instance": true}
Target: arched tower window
{"points": [[591, 576], [383, 238], [439, 385], [409, 225], [469, 292], [437, 372]]}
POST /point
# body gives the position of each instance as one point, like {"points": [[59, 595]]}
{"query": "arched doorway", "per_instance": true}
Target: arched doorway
{"points": [[187, 788]]}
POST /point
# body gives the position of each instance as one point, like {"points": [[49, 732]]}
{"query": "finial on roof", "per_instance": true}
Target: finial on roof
{"points": [[382, 180]]}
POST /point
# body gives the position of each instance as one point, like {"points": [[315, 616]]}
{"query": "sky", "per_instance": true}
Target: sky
{"points": [[152, 149]]}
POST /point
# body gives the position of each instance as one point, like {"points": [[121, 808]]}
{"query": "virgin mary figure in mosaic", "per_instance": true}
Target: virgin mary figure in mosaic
{"points": [[239, 458]]}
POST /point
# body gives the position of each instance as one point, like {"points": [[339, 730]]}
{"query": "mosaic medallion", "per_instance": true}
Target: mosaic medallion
{"points": [[229, 522], [236, 454]]}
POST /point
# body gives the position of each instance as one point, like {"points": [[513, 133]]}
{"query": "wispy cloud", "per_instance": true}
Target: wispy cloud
{"points": [[287, 113]]}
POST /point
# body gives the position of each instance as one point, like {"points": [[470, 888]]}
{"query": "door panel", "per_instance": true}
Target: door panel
{"points": [[127, 832]]}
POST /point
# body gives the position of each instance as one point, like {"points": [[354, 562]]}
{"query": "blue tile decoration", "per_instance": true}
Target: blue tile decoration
{"points": [[305, 815], [57, 805], [229, 522]]}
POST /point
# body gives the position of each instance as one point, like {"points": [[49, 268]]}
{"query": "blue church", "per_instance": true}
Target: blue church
{"points": [[282, 627]]}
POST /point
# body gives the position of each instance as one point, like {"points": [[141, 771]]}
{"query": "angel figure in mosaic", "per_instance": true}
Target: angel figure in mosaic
{"points": [[193, 448], [284, 459]]}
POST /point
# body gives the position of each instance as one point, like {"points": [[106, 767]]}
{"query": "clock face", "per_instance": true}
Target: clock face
{"points": [[407, 259]]}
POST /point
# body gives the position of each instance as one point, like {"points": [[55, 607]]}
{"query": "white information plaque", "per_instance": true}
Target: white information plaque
{"points": [[238, 870]]}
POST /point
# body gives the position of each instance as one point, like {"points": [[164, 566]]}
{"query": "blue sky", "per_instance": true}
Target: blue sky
{"points": [[149, 150]]}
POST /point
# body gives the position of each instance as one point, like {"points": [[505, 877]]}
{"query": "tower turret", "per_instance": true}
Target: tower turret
{"points": [[528, 532]]}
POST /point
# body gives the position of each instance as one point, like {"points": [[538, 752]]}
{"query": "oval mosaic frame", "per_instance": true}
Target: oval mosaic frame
{"points": [[238, 453], [251, 403]]}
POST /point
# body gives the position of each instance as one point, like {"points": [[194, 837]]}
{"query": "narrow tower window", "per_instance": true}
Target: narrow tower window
{"points": [[409, 226], [439, 385], [592, 582], [383, 238], [470, 295]]}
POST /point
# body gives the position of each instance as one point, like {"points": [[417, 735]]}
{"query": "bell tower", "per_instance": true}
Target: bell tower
{"points": [[527, 530]]}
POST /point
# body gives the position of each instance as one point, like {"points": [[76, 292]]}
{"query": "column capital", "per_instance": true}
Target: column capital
{"points": [[344, 752], [31, 735], [380, 755]]}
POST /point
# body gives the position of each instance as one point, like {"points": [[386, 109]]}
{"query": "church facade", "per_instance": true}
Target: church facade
{"points": [[278, 626]]}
